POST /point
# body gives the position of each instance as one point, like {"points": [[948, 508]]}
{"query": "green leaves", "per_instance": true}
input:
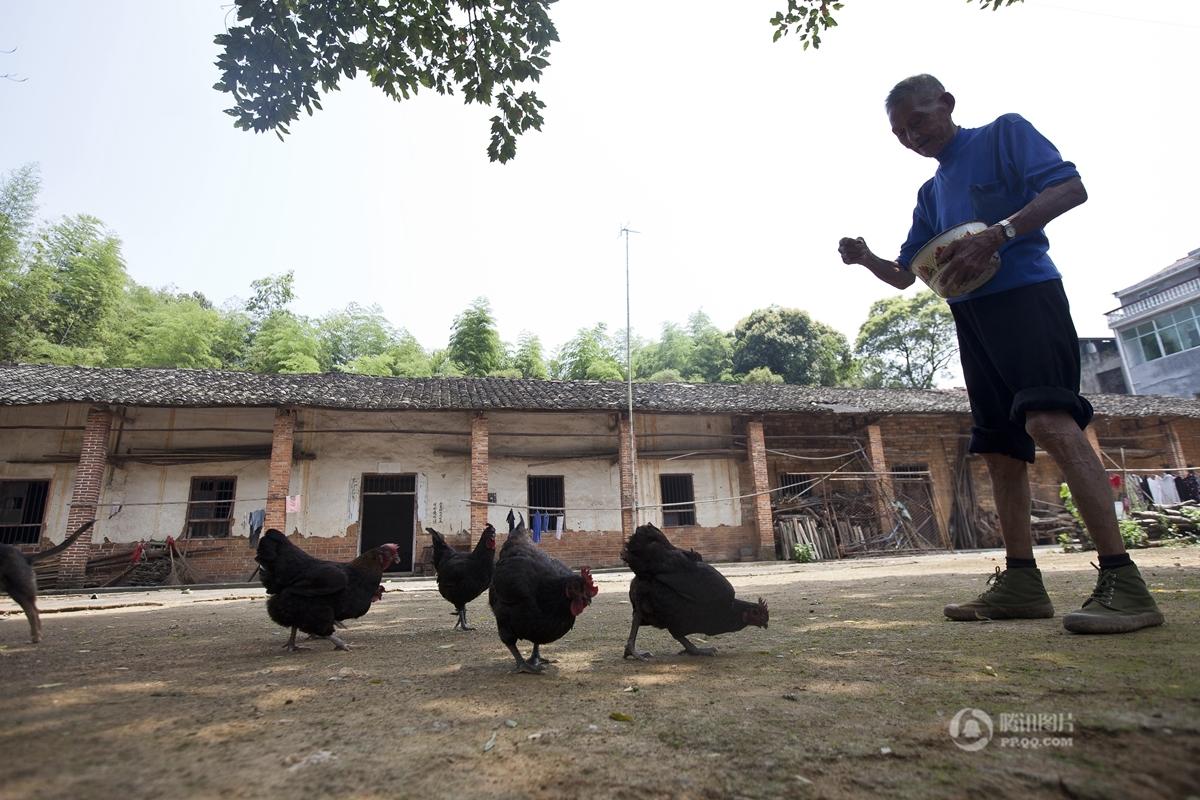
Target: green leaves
{"points": [[793, 345], [474, 343], [283, 54], [807, 19], [906, 342]]}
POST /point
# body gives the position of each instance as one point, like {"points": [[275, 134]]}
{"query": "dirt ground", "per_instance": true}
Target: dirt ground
{"points": [[849, 693]]}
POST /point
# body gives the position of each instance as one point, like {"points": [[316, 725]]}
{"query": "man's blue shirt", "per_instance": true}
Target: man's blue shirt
{"points": [[988, 174]]}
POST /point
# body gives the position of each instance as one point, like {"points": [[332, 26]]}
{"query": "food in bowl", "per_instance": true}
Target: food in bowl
{"points": [[926, 267]]}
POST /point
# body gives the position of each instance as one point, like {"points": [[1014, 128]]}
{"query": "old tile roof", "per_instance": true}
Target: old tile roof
{"points": [[39, 384]]}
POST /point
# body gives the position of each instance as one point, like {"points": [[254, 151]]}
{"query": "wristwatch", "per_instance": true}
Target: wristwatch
{"points": [[1010, 230]]}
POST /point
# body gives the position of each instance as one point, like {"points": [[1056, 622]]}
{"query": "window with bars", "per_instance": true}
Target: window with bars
{"points": [[389, 484], [1164, 335], [910, 472], [678, 497], [795, 484], [22, 511], [210, 507], [547, 495]]}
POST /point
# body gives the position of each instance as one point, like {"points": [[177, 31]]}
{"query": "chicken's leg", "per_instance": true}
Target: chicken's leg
{"points": [[631, 645], [462, 620], [522, 664], [291, 645], [692, 650], [338, 643], [537, 660]]}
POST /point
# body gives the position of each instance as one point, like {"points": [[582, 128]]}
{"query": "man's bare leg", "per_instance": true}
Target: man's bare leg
{"points": [[1058, 434], [1017, 591], [1010, 488]]}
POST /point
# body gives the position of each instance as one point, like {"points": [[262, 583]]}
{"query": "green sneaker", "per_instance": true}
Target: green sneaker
{"points": [[1012, 594], [1120, 603]]}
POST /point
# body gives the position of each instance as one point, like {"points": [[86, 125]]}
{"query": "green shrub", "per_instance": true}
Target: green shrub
{"points": [[1132, 534], [803, 553]]}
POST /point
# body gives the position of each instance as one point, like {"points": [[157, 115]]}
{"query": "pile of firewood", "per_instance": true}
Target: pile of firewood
{"points": [[1170, 521]]}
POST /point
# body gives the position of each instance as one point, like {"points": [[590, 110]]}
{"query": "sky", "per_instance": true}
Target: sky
{"points": [[739, 161]]}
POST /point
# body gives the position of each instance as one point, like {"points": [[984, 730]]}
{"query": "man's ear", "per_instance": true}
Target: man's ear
{"points": [[948, 100]]}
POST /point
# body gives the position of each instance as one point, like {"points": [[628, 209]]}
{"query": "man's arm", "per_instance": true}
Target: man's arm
{"points": [[968, 256], [855, 251]]}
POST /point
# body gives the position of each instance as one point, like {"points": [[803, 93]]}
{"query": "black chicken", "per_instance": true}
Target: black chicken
{"points": [[674, 589], [461, 577], [314, 596], [535, 598]]}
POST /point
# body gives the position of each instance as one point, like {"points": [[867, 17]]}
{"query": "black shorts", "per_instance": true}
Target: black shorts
{"points": [[1019, 353]]}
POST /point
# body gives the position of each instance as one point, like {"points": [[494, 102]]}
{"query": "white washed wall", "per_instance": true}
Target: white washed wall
{"points": [[438, 453]]}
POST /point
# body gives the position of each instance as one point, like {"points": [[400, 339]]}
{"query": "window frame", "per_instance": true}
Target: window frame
{"points": [[532, 507], [678, 515], [27, 532], [1146, 341], [212, 523]]}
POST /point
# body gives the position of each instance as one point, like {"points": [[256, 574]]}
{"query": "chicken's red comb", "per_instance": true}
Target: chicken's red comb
{"points": [[586, 574]]}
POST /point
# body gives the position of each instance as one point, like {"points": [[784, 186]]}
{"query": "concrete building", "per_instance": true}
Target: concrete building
{"points": [[1158, 328], [343, 463], [1101, 368]]}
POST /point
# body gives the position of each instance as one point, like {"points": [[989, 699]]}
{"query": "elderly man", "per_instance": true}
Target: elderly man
{"points": [[1019, 349]]}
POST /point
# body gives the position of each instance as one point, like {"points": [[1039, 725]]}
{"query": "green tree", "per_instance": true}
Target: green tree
{"points": [[271, 294], [791, 344], [354, 332], [181, 333], [906, 342], [672, 353], [285, 343], [528, 359], [474, 343], [404, 358], [762, 375], [66, 294], [18, 209], [712, 350], [588, 356], [279, 52]]}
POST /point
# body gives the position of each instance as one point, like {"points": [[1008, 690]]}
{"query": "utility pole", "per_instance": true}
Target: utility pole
{"points": [[625, 231]]}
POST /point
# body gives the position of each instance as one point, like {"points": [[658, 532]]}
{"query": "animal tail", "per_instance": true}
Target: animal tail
{"points": [[440, 548], [58, 548], [272, 543], [646, 549]]}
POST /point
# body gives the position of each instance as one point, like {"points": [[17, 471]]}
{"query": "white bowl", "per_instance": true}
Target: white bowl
{"points": [[924, 264]]}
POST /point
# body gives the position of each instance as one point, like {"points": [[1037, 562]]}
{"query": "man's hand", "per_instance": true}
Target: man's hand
{"points": [[967, 258], [854, 251]]}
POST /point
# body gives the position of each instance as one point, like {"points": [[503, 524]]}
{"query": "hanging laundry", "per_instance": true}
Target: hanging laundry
{"points": [[255, 521], [557, 523], [535, 533], [1154, 486], [512, 521], [1170, 496], [1191, 487]]}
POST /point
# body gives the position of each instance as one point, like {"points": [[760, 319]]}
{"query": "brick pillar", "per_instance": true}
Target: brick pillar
{"points": [[626, 455], [89, 475], [756, 447], [279, 476], [479, 473], [885, 491], [1175, 446]]}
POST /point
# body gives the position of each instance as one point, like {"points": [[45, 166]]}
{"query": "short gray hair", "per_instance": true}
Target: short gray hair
{"points": [[916, 86]]}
